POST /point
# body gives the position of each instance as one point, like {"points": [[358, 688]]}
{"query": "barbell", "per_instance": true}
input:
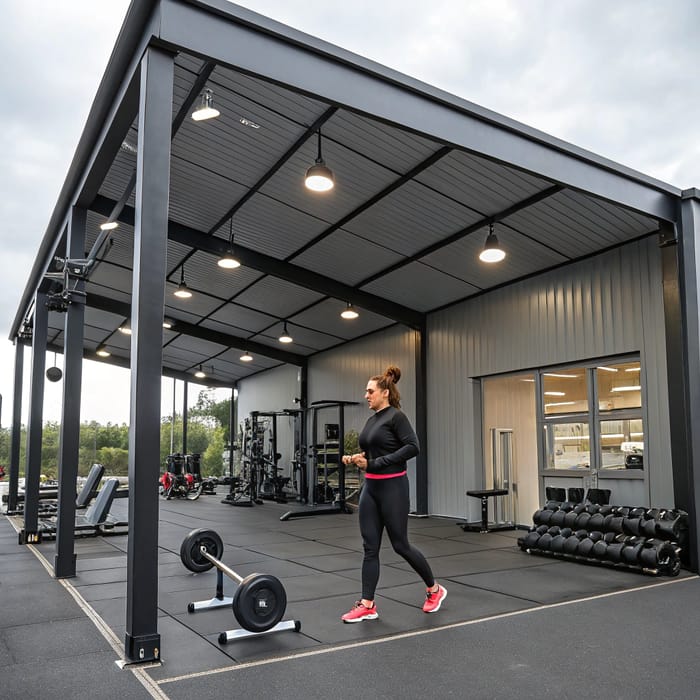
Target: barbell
{"points": [[259, 601]]}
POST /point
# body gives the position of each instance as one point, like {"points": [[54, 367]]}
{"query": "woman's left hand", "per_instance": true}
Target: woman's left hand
{"points": [[359, 460]]}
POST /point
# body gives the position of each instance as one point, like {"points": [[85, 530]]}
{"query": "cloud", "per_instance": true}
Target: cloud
{"points": [[611, 77]]}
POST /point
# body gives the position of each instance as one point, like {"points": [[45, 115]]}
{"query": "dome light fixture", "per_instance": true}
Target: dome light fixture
{"points": [[108, 225], [349, 312], [182, 291], [167, 323], [285, 337], [206, 109], [492, 252], [229, 262], [125, 328], [200, 374], [319, 177], [246, 357], [102, 351]]}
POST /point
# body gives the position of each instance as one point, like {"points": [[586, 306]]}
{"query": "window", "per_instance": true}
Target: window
{"points": [[591, 417]]}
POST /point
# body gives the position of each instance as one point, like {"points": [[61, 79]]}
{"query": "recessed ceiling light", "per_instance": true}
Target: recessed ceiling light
{"points": [[248, 122]]}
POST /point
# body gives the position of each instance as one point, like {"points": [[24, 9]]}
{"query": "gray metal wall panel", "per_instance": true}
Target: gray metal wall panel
{"points": [[342, 374], [610, 304]]}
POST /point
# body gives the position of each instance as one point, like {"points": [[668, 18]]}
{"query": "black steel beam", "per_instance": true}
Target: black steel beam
{"points": [[16, 427], [30, 532], [278, 268], [184, 417], [142, 641], [69, 444], [121, 308]]}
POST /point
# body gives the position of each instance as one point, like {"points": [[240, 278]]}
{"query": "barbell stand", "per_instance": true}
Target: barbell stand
{"points": [[220, 600]]}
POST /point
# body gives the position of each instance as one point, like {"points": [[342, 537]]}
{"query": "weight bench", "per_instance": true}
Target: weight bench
{"points": [[96, 521], [483, 526]]}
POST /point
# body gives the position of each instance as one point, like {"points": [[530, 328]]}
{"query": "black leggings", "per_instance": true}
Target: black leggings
{"points": [[384, 503]]}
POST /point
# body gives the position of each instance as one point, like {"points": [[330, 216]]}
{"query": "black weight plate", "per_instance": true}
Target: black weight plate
{"points": [[585, 547], [557, 518], [557, 544], [582, 521], [259, 602], [570, 519], [614, 552], [544, 542], [191, 554], [571, 545], [596, 522], [600, 550]]}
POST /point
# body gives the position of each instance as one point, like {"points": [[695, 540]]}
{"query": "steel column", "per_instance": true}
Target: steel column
{"points": [[142, 641], [30, 532], [420, 356], [69, 445], [16, 427], [681, 309], [184, 417]]}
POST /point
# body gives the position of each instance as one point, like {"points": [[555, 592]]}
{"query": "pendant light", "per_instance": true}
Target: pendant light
{"points": [[182, 291], [319, 177], [492, 252], [206, 109], [200, 374], [102, 351], [229, 262], [349, 312], [285, 337], [246, 357]]}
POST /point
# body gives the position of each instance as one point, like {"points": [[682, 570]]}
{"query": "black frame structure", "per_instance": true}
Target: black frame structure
{"points": [[421, 177]]}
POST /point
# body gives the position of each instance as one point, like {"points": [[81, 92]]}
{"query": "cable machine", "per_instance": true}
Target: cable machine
{"points": [[326, 462]]}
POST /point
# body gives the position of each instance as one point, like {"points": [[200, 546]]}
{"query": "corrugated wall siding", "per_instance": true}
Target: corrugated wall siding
{"points": [[342, 374], [608, 305]]}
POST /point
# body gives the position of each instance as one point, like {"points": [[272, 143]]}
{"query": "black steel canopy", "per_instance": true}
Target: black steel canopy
{"points": [[419, 176]]}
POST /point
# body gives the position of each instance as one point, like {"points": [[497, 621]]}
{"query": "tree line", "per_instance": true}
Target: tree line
{"points": [[207, 434]]}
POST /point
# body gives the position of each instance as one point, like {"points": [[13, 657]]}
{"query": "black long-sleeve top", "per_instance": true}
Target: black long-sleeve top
{"points": [[388, 441]]}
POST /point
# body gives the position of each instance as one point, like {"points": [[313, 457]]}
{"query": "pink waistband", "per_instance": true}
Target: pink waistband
{"points": [[384, 476]]}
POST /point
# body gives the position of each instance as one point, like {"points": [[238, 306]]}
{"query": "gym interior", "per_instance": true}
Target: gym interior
{"points": [[556, 384]]}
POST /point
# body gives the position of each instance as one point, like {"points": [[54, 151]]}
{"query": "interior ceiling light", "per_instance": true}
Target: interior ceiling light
{"points": [[200, 374], [229, 262], [555, 393], [349, 312], [206, 109], [109, 225], [285, 337], [102, 351], [248, 122], [182, 291], [246, 357], [561, 376], [492, 252], [633, 369], [626, 388], [319, 177], [607, 369]]}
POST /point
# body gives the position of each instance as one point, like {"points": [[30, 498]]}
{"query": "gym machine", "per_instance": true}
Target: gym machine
{"points": [[259, 602], [325, 461], [260, 478]]}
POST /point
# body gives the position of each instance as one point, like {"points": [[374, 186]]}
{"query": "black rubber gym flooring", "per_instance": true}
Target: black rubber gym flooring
{"points": [[513, 625]]}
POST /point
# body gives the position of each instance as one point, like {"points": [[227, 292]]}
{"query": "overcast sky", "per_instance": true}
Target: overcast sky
{"points": [[616, 78]]}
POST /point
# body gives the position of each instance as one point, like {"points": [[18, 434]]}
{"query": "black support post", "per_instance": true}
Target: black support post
{"points": [[142, 641], [421, 422], [16, 427], [69, 445], [681, 308], [184, 417], [30, 532]]}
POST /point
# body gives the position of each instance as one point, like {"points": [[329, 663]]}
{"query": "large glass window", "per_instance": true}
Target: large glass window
{"points": [[592, 417]]}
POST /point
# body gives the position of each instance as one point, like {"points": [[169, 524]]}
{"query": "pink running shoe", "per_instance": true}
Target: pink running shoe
{"points": [[433, 601], [361, 612]]}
